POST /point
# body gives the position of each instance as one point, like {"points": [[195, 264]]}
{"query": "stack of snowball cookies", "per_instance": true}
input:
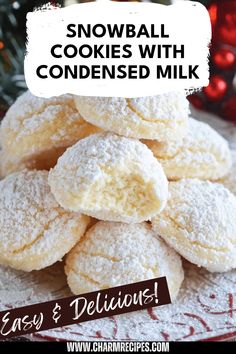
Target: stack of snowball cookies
{"points": [[121, 187]]}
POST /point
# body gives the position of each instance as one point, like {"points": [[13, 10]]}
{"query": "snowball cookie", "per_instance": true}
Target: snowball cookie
{"points": [[8, 164], [110, 178], [35, 231], [113, 254], [36, 131], [199, 222], [155, 117], [202, 154], [229, 181]]}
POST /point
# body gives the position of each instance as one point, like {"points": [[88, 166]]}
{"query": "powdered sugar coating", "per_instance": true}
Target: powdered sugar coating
{"points": [[34, 128], [203, 154], [160, 117], [110, 178], [203, 293], [35, 231], [113, 254], [199, 222], [229, 181]]}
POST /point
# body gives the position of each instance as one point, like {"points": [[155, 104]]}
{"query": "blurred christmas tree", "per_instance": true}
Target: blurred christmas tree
{"points": [[12, 48], [11, 52]]}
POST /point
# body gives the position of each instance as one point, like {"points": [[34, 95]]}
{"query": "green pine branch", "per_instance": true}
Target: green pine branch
{"points": [[12, 49]]}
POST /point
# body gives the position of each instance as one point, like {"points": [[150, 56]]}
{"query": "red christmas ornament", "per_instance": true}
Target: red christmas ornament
{"points": [[219, 96], [216, 89], [212, 10], [227, 33], [226, 22], [229, 108], [224, 58], [196, 101]]}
